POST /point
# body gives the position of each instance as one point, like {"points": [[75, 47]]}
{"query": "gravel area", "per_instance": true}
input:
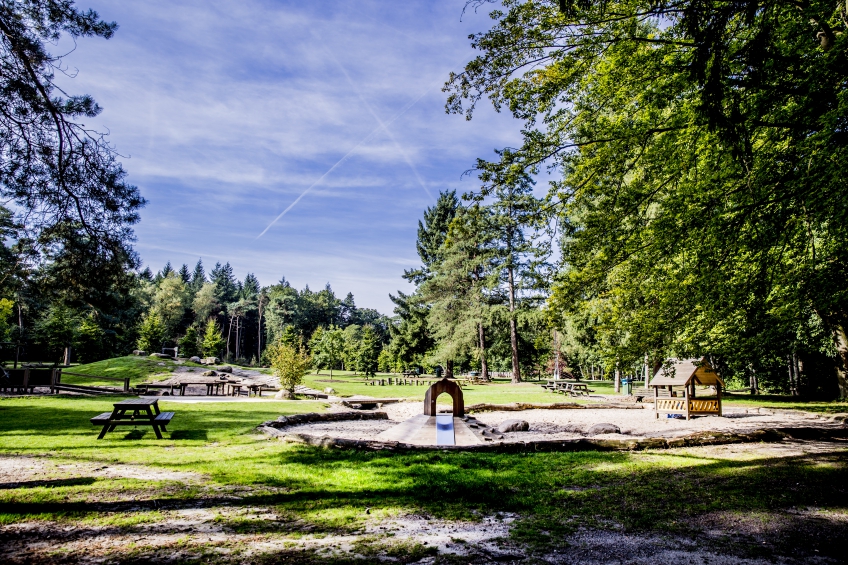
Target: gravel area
{"points": [[575, 423]]}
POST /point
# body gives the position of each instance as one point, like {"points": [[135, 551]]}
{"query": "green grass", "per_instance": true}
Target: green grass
{"points": [[500, 391], [785, 402], [326, 491], [138, 369]]}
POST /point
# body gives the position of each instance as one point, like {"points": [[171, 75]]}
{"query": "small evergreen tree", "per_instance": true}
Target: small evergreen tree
{"points": [[212, 339], [189, 342], [151, 334]]}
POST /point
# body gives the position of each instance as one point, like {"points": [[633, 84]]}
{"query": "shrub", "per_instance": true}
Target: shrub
{"points": [[290, 363], [212, 339], [151, 334], [188, 343]]}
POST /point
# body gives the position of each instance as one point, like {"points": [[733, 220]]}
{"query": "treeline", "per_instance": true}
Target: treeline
{"points": [[222, 316]]}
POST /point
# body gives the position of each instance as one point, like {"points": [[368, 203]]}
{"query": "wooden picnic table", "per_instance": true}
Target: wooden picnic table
{"points": [[134, 412]]}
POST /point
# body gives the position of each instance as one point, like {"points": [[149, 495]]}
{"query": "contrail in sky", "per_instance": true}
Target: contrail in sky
{"points": [[382, 126]]}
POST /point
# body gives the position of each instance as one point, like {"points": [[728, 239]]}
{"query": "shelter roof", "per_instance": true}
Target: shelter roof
{"points": [[680, 372]]}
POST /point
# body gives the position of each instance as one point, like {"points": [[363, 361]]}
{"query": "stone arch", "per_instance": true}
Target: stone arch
{"points": [[438, 388]]}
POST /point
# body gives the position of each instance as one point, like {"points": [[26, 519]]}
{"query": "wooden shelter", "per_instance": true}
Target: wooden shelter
{"points": [[674, 388]]}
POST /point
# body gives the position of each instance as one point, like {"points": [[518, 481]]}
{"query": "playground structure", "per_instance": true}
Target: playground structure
{"points": [[680, 376], [444, 386]]}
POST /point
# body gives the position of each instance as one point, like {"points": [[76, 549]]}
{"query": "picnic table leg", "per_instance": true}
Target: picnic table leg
{"points": [[155, 426], [103, 432]]}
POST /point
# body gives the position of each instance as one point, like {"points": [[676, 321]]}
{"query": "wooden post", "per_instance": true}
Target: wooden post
{"points": [[656, 402], [647, 377], [718, 394], [686, 397]]}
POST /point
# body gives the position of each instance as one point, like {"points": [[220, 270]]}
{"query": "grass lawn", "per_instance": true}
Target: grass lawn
{"points": [[313, 492], [500, 391], [138, 369], [786, 402]]}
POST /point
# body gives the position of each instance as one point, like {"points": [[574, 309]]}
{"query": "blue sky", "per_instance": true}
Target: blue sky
{"points": [[227, 112]]}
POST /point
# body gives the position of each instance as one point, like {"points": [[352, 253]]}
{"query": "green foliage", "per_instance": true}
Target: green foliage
{"points": [[701, 201], [170, 301], [213, 342], [368, 352], [189, 343], [57, 328], [6, 307], [290, 364], [90, 341], [151, 333], [327, 347]]}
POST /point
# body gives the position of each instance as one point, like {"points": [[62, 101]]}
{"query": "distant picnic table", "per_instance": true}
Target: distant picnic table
{"points": [[134, 412], [571, 389]]}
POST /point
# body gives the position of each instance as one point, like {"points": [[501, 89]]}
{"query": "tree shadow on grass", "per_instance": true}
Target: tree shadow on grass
{"points": [[190, 434], [50, 483]]}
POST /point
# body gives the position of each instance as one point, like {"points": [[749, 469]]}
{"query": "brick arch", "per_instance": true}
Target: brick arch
{"points": [[437, 389]]}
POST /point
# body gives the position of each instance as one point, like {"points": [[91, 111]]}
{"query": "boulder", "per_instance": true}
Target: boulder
{"points": [[513, 426], [161, 356], [209, 374], [194, 359], [330, 390], [598, 429], [139, 352], [225, 369], [210, 361], [283, 394]]}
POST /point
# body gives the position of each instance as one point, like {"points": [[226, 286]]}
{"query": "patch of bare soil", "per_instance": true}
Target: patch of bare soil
{"points": [[28, 471]]}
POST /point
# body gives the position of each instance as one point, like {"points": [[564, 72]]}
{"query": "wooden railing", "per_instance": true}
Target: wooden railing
{"points": [[125, 380]]}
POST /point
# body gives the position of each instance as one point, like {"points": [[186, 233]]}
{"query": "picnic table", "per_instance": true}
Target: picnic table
{"points": [[134, 412], [213, 388]]}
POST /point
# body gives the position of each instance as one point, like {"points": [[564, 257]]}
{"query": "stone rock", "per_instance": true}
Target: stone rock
{"points": [[210, 361], [598, 429], [225, 369], [140, 352], [161, 356], [330, 390], [283, 394], [513, 426], [209, 374], [194, 359]]}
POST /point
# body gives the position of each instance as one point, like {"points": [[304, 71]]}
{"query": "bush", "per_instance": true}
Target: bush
{"points": [[290, 363]]}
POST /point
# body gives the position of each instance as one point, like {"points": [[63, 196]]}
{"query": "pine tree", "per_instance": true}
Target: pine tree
{"points": [[225, 283], [166, 270], [184, 274], [431, 234], [250, 288], [198, 277], [212, 339]]}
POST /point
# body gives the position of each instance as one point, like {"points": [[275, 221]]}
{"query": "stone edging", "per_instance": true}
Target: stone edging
{"points": [[580, 444], [296, 419], [519, 406]]}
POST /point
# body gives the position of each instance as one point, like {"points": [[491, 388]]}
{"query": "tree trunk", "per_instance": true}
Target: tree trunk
{"points": [[755, 387], [513, 330], [449, 369], [617, 378], [484, 366], [259, 337], [840, 339], [647, 370]]}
